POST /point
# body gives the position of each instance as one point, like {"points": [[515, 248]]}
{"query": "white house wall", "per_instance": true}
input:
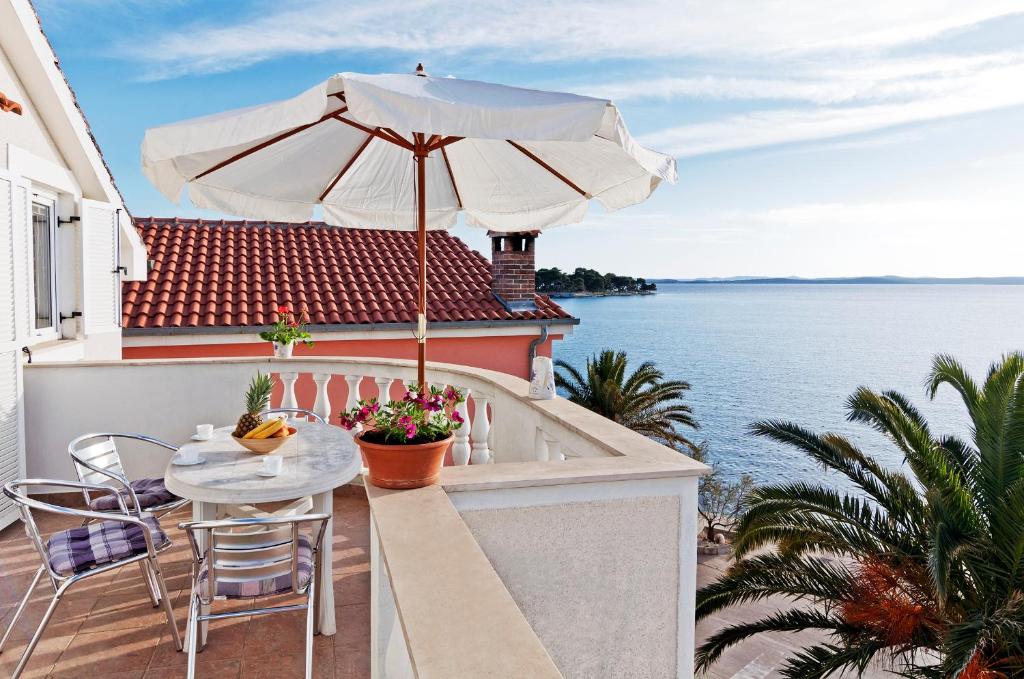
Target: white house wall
{"points": [[26, 131]]}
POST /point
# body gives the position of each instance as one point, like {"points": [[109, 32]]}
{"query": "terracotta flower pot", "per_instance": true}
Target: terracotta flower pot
{"points": [[400, 466]]}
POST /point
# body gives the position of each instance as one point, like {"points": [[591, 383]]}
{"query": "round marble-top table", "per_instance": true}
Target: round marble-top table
{"points": [[318, 459]]}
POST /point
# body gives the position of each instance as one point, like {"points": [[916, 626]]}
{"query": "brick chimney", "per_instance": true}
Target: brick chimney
{"points": [[513, 273]]}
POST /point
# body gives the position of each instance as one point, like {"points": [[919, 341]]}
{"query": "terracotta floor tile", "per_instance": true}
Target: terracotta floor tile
{"points": [[219, 669], [66, 620], [99, 653], [290, 665], [352, 588], [225, 641], [128, 611], [43, 658]]}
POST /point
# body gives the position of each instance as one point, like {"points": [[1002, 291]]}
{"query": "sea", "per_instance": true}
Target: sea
{"points": [[796, 352]]}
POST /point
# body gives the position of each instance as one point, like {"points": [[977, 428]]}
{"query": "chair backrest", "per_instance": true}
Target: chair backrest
{"points": [[249, 549], [96, 460], [296, 412]]}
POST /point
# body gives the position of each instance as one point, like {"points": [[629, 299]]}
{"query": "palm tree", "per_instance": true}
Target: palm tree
{"points": [[922, 570], [644, 401]]}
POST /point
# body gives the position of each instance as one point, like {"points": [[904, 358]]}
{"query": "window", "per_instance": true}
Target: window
{"points": [[44, 239]]}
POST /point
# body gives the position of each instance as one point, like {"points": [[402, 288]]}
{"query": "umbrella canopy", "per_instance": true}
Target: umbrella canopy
{"points": [[408, 152]]}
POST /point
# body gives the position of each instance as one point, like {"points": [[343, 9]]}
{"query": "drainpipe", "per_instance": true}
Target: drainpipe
{"points": [[532, 352]]}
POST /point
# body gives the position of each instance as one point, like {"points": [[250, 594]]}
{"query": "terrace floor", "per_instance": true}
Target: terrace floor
{"points": [[107, 627]]}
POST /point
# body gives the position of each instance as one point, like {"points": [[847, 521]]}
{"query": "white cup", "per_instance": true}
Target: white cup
{"points": [[272, 464], [189, 454], [204, 431]]}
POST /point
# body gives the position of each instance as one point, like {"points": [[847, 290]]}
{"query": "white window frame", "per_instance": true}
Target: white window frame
{"points": [[52, 332]]}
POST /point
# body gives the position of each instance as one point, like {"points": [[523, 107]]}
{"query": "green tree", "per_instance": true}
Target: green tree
{"points": [[643, 400], [922, 569]]}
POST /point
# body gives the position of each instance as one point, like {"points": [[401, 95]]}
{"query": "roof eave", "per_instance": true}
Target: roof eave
{"points": [[349, 327]]}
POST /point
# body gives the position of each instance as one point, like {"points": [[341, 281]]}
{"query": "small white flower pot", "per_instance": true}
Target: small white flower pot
{"points": [[283, 350]]}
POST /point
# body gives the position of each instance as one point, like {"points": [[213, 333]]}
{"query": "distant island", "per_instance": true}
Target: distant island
{"points": [[590, 283], [855, 280]]}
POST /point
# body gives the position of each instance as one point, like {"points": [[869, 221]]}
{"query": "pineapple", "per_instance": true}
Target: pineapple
{"points": [[257, 398]]}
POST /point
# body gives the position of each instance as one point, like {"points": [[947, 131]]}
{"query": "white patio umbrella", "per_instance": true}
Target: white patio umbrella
{"points": [[409, 152]]}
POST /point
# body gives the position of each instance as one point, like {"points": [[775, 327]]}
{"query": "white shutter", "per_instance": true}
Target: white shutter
{"points": [[101, 281], [14, 310]]}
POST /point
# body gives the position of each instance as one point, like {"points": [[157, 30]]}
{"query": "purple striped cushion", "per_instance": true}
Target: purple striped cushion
{"points": [[79, 549], [265, 586], [151, 493]]}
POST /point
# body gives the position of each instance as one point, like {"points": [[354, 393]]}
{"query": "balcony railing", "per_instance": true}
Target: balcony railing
{"points": [[559, 542]]}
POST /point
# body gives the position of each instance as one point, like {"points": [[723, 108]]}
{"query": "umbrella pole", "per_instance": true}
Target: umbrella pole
{"points": [[420, 154]]}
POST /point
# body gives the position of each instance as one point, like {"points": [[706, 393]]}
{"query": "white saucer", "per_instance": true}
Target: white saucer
{"points": [[176, 460], [265, 474], [197, 437]]}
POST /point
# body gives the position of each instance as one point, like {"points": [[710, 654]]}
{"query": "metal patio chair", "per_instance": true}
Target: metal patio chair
{"points": [[296, 412], [252, 557], [104, 542], [96, 460]]}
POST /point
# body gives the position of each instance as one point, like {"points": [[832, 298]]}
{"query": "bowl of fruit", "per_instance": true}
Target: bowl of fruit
{"points": [[252, 432]]}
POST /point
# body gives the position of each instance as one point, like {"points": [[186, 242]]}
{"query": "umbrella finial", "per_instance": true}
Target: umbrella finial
{"points": [[420, 71]]}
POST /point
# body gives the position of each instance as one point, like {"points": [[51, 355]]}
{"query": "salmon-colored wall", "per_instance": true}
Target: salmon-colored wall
{"points": [[506, 354]]}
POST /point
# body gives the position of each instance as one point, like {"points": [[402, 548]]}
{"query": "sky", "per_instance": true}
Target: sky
{"points": [[813, 137]]}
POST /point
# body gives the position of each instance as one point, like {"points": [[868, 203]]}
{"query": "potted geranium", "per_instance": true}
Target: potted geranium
{"points": [[287, 331], [404, 442]]}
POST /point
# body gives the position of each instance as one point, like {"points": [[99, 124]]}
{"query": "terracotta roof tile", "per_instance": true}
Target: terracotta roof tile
{"points": [[215, 273]]}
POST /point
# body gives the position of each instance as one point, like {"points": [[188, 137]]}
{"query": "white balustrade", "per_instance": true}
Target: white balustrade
{"points": [[460, 447], [322, 405], [480, 431], [288, 400], [505, 426]]}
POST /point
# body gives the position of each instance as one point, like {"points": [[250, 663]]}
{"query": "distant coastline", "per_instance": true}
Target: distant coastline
{"points": [[568, 295], [854, 280]]}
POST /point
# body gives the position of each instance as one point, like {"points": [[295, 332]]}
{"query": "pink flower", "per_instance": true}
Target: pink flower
{"points": [[457, 418], [410, 431], [375, 407], [347, 422]]}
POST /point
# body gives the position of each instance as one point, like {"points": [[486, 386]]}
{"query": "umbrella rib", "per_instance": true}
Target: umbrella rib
{"points": [[375, 132], [451, 176], [529, 154], [350, 163], [269, 142]]}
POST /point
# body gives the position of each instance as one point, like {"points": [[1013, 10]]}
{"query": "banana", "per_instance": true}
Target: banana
{"points": [[252, 434], [267, 432]]}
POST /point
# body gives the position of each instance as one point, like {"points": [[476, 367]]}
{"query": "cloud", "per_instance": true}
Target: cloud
{"points": [[985, 90], [877, 80], [564, 31]]}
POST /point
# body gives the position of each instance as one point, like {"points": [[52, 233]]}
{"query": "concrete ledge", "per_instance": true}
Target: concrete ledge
{"points": [[578, 470], [458, 619]]}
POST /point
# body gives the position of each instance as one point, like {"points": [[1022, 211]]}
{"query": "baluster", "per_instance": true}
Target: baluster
{"points": [[554, 448], [288, 401], [322, 406], [352, 400], [480, 431], [492, 452], [383, 388], [460, 446], [540, 445]]}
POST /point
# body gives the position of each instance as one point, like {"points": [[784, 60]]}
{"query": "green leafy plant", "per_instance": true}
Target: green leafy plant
{"points": [[418, 418], [289, 328], [643, 400], [922, 570]]}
